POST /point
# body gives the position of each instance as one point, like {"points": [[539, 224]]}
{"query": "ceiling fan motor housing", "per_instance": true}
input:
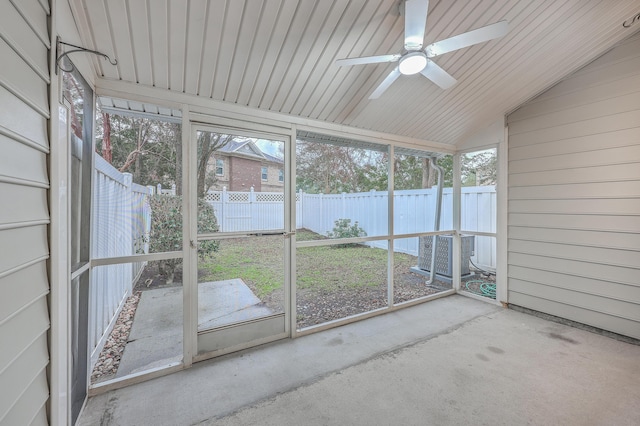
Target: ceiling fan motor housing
{"points": [[412, 63]]}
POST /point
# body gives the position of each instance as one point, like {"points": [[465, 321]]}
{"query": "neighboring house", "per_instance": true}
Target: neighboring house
{"points": [[242, 165]]}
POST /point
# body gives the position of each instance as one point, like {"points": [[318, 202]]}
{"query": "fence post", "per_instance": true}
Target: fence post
{"points": [[146, 212], [322, 215], [373, 224], [152, 189], [223, 209], [252, 208], [159, 189], [300, 211]]}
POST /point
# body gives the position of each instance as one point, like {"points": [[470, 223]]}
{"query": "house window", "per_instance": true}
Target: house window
{"points": [[264, 173], [280, 175], [219, 167]]}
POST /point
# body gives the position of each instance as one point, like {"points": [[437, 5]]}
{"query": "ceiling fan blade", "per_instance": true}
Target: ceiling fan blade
{"points": [[393, 76], [368, 60], [439, 76], [415, 21], [467, 39]]}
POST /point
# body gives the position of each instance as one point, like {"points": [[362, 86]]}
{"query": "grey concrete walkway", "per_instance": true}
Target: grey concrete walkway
{"points": [[453, 361]]}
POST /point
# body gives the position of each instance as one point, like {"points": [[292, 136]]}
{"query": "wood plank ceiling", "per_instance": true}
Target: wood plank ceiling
{"points": [[278, 55]]}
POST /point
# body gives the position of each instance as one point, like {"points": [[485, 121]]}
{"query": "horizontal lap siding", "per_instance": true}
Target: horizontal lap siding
{"points": [[24, 215], [574, 196]]}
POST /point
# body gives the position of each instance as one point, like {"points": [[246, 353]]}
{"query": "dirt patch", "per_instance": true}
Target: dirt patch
{"points": [[151, 278], [317, 307], [481, 283]]}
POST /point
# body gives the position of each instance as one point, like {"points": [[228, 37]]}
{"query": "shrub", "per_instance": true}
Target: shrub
{"points": [[344, 229], [166, 230]]}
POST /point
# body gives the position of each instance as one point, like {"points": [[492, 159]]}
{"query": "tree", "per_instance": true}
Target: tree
{"points": [[330, 169], [410, 172], [107, 152], [479, 168], [149, 149], [166, 230], [413, 172], [208, 143]]}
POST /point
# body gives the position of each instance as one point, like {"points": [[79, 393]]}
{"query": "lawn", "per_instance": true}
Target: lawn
{"points": [[332, 282]]}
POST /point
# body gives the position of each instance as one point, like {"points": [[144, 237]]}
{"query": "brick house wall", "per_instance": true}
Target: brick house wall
{"points": [[240, 173], [244, 173]]}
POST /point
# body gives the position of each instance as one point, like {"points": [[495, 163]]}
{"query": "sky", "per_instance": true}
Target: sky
{"points": [[275, 148]]}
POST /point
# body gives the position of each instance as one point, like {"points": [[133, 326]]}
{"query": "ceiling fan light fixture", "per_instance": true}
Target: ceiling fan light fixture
{"points": [[412, 63]]}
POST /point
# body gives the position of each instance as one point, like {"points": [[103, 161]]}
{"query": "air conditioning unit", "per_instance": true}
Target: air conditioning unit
{"points": [[444, 255]]}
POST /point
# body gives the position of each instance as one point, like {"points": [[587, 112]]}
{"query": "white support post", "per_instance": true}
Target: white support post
{"points": [[502, 293], [189, 236], [127, 238], [457, 240], [390, 230], [290, 225], [59, 263]]}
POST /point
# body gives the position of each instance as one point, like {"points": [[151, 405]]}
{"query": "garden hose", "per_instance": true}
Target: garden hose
{"points": [[486, 288]]}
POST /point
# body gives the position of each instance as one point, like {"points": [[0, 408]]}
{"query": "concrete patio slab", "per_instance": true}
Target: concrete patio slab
{"points": [[156, 333], [226, 302], [452, 361]]}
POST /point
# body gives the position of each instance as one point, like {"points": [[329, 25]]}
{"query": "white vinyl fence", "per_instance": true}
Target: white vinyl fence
{"points": [[413, 212], [121, 215]]}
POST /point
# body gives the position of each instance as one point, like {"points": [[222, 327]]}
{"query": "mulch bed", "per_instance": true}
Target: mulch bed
{"points": [[318, 307], [109, 360]]}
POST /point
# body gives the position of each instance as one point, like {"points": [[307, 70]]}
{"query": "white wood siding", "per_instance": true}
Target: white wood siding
{"points": [[574, 196], [24, 215]]}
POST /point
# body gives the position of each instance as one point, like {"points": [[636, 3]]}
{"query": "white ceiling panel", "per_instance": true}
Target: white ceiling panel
{"points": [[279, 55]]}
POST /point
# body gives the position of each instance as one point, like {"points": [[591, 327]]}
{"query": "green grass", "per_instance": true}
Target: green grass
{"points": [[329, 268], [259, 262]]}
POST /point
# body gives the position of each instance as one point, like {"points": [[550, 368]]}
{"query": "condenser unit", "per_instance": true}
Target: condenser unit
{"points": [[444, 255]]}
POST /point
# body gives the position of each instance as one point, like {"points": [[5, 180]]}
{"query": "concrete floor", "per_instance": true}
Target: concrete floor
{"points": [[452, 361]]}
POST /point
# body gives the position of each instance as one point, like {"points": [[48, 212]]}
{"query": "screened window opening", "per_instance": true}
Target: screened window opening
{"points": [[344, 200], [137, 210], [478, 215]]}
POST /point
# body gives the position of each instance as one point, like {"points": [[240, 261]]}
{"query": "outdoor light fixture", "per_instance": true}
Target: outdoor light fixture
{"points": [[412, 63]]}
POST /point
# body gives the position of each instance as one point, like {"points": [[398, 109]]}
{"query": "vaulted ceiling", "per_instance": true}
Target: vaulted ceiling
{"points": [[279, 55]]}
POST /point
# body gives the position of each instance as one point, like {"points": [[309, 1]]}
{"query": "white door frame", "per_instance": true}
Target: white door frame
{"points": [[190, 232]]}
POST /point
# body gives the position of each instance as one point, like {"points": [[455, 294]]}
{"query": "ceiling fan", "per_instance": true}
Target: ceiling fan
{"points": [[414, 59]]}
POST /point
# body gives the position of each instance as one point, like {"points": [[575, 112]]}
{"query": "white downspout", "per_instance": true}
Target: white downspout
{"points": [[436, 225]]}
